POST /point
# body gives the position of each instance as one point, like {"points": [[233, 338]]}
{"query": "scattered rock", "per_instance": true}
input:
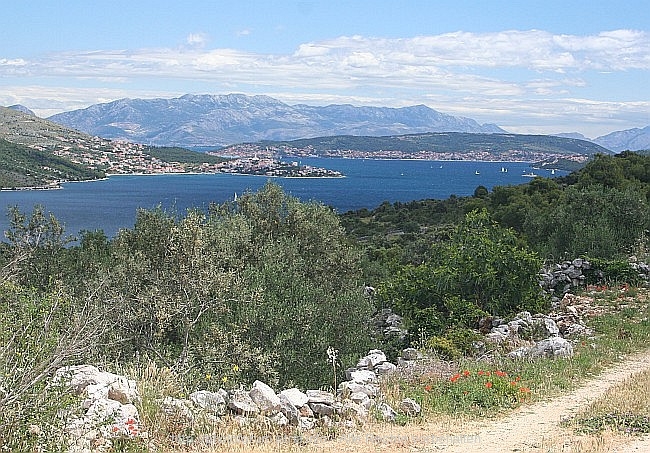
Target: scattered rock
{"points": [[548, 348], [363, 377], [295, 397], [289, 409], [264, 397], [241, 403], [209, 401], [387, 413], [320, 396], [322, 409], [410, 354], [410, 407]]}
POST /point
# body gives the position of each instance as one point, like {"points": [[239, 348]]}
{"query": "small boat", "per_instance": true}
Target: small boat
{"points": [[504, 170], [477, 172], [530, 175], [553, 171]]}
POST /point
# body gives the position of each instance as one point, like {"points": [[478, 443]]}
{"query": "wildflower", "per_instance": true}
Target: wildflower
{"points": [[488, 384], [235, 368], [500, 373], [115, 429], [224, 379], [427, 388], [455, 377], [208, 377], [518, 378], [513, 383], [481, 372], [466, 373], [524, 389]]}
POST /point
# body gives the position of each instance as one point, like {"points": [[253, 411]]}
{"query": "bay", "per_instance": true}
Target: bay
{"points": [[111, 204]]}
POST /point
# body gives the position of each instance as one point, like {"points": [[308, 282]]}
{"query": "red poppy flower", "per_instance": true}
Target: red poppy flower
{"points": [[488, 384]]}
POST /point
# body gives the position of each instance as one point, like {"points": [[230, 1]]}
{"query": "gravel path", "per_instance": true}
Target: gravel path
{"points": [[535, 428]]}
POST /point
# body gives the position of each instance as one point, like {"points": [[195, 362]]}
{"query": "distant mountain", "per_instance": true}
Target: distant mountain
{"points": [[576, 135], [631, 139], [21, 108], [207, 120]]}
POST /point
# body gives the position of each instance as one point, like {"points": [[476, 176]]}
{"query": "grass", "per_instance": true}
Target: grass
{"points": [[624, 408], [621, 327], [450, 393]]}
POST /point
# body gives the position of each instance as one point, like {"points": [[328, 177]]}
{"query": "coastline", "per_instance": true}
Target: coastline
{"points": [[59, 184], [20, 189]]}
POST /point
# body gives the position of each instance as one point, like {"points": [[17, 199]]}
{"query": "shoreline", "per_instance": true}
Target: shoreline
{"points": [[59, 184]]}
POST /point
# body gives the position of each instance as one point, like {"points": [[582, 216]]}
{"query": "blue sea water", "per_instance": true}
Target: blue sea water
{"points": [[111, 204]]}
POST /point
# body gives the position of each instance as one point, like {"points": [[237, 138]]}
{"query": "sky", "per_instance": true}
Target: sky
{"points": [[528, 66]]}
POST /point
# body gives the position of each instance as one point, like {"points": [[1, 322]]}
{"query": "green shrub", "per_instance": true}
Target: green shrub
{"points": [[481, 269], [39, 333], [611, 271], [444, 347], [267, 284]]}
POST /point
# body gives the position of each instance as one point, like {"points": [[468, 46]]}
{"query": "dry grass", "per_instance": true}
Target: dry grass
{"points": [[434, 430], [372, 437], [595, 429], [631, 396]]}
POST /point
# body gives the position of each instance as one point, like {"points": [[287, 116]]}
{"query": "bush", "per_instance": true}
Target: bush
{"points": [[482, 269], [611, 271], [267, 284], [39, 334]]}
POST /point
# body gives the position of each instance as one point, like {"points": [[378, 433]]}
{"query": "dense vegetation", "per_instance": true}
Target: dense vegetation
{"points": [[447, 142], [601, 211], [22, 166], [182, 155], [260, 288]]}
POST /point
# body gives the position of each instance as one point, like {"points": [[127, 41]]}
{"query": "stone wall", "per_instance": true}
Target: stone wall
{"points": [[559, 279]]}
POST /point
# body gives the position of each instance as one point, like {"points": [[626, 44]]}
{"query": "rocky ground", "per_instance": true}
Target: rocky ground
{"points": [[531, 428]]}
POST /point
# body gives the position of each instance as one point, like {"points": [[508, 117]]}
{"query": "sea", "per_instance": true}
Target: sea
{"points": [[111, 204]]}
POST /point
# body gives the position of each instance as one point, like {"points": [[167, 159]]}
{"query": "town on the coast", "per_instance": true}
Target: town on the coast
{"points": [[484, 155], [132, 158]]}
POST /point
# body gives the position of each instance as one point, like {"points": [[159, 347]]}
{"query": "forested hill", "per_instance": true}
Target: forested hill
{"points": [[22, 166], [38, 153], [601, 210], [455, 145]]}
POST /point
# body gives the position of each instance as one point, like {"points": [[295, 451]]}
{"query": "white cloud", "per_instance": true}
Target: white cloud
{"points": [[197, 39], [12, 62], [528, 74]]}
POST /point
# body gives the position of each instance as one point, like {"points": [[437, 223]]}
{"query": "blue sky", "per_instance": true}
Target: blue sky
{"points": [[529, 66]]}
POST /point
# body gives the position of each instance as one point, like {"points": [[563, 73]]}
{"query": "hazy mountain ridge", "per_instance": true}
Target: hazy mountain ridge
{"points": [[21, 108], [630, 139], [218, 120]]}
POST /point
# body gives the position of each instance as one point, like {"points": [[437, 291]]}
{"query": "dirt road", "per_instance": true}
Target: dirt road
{"points": [[533, 428], [536, 428]]}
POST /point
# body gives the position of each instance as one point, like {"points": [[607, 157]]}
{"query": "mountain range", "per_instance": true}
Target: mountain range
{"points": [[219, 120], [631, 139]]}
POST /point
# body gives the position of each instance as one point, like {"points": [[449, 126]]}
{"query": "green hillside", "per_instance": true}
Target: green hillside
{"points": [[22, 166], [450, 142]]}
